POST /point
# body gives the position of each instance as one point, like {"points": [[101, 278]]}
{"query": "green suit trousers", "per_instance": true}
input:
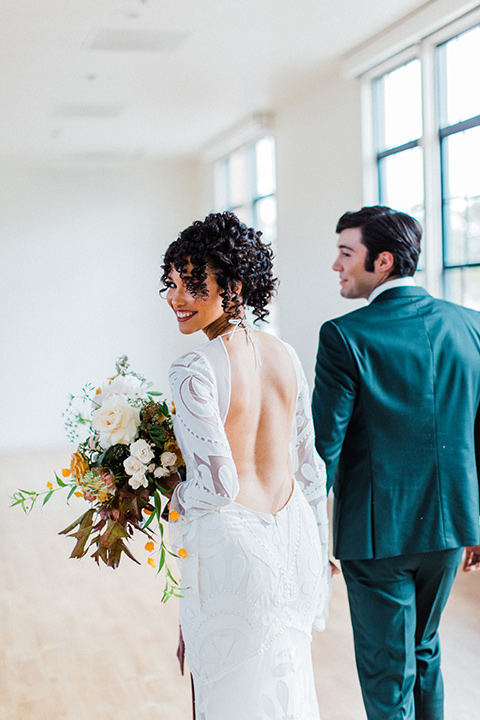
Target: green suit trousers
{"points": [[396, 604]]}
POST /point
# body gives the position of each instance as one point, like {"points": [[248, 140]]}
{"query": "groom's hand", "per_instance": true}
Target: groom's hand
{"points": [[472, 558]]}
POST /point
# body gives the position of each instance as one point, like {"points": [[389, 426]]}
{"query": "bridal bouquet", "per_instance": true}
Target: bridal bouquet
{"points": [[125, 467]]}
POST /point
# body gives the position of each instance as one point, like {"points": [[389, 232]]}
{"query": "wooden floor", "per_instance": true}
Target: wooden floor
{"points": [[82, 643]]}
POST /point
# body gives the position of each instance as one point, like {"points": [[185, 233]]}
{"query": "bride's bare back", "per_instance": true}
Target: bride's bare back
{"points": [[259, 420]]}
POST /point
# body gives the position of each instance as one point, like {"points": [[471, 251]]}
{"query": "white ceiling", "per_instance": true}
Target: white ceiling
{"points": [[162, 77]]}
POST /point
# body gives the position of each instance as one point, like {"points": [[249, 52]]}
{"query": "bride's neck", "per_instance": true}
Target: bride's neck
{"points": [[218, 327]]}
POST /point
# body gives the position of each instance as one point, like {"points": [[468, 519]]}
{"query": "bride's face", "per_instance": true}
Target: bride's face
{"points": [[193, 312]]}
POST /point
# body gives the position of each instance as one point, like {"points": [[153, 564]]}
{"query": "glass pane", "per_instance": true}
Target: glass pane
{"points": [[399, 106], [265, 166], [455, 230], [266, 211], [460, 64], [401, 181], [220, 181], [462, 285], [238, 177], [401, 185], [462, 231], [461, 163]]}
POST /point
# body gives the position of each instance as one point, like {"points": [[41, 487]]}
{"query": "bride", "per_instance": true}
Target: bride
{"points": [[251, 517]]}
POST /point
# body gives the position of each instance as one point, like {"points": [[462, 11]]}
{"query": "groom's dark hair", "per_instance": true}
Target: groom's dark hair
{"points": [[384, 229]]}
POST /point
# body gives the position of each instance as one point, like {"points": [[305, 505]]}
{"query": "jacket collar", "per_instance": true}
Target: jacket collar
{"points": [[401, 292]]}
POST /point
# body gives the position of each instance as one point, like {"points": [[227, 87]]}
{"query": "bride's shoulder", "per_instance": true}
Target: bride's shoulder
{"points": [[199, 361], [277, 346]]}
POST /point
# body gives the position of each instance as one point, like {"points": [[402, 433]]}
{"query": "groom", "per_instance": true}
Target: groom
{"points": [[397, 421]]}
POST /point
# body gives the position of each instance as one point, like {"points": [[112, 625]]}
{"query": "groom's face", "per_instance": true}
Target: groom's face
{"points": [[355, 281]]}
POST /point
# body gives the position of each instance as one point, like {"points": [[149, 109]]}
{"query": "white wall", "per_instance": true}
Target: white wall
{"points": [[319, 177], [80, 255]]}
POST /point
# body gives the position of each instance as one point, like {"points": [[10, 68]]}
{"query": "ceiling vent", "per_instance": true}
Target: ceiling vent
{"points": [[136, 40], [87, 110]]}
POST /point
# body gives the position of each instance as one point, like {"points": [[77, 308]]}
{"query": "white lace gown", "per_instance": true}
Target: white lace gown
{"points": [[253, 583]]}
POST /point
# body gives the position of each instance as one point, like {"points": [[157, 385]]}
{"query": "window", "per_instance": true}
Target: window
{"points": [[245, 184], [398, 131], [426, 149], [459, 121]]}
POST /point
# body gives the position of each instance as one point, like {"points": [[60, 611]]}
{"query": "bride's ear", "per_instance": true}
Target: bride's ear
{"points": [[238, 288]]}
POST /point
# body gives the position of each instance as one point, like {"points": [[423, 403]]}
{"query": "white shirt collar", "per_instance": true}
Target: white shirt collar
{"points": [[389, 284]]}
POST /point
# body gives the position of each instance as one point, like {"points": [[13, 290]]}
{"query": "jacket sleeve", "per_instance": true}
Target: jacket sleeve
{"points": [[212, 479], [334, 395]]}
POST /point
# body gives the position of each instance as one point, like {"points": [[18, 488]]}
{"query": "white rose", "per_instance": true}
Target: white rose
{"points": [[138, 479], [116, 421], [168, 459], [133, 466], [141, 450], [161, 472], [127, 385]]}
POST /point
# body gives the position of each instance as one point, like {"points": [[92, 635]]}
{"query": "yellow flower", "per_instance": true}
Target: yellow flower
{"points": [[77, 493], [173, 408], [149, 546], [49, 486], [173, 515], [151, 562], [65, 472], [182, 553], [78, 466], [147, 512]]}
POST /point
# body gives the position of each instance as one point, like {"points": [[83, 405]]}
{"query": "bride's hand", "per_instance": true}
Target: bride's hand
{"points": [[334, 568]]}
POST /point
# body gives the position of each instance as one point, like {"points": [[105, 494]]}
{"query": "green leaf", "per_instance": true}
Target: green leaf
{"points": [[60, 481], [154, 393], [158, 504], [47, 497], [161, 562], [149, 520]]}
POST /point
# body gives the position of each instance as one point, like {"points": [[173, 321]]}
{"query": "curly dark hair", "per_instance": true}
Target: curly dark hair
{"points": [[235, 254]]}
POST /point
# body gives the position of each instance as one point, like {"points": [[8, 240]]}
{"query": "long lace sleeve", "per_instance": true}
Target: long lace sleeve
{"points": [[212, 479], [310, 473], [309, 467]]}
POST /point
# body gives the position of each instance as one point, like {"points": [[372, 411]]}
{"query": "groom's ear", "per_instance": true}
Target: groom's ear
{"points": [[384, 262]]}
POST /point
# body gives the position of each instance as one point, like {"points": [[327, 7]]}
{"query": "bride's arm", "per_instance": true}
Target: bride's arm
{"points": [[212, 479], [311, 475], [309, 468]]}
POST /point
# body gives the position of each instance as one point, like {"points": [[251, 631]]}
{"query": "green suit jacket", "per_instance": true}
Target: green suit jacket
{"points": [[397, 422]]}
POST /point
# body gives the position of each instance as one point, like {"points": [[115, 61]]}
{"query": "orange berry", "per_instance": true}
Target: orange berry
{"points": [[182, 553], [149, 546]]}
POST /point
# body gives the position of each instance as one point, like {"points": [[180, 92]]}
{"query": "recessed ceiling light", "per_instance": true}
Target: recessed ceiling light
{"points": [[126, 15]]}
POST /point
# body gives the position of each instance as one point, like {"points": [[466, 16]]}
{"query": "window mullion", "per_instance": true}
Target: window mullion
{"points": [[432, 243]]}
